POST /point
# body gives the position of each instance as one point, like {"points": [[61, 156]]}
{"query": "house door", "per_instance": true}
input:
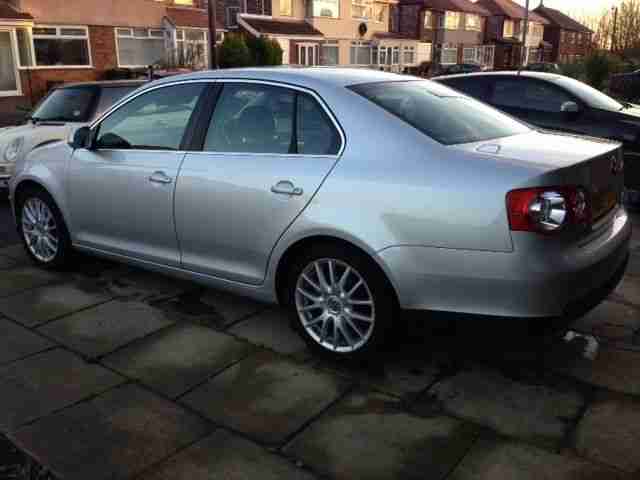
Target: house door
{"points": [[308, 54], [9, 81]]}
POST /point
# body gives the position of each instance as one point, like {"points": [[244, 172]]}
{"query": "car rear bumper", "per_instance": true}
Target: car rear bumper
{"points": [[531, 281]]}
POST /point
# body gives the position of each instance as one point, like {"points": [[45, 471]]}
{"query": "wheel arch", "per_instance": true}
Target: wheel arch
{"points": [[293, 250]]}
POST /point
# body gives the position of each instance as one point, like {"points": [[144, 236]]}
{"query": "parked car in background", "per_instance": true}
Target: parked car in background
{"points": [[266, 182], [626, 85], [556, 102], [63, 109], [461, 68], [544, 67]]}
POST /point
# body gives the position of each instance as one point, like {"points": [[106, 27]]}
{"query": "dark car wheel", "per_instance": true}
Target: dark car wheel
{"points": [[42, 229], [340, 301]]}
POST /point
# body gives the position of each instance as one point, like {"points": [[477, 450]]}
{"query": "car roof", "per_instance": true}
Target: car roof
{"points": [[550, 77], [309, 77], [104, 83]]}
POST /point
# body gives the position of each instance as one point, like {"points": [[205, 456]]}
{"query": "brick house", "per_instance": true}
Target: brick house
{"points": [[570, 40], [46, 42], [505, 28], [330, 32], [455, 28]]}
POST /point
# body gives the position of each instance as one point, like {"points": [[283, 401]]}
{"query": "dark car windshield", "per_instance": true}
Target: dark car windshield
{"points": [[589, 95], [441, 113], [67, 105]]}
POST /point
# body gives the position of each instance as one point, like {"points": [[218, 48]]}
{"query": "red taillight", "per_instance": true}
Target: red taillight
{"points": [[547, 209]]}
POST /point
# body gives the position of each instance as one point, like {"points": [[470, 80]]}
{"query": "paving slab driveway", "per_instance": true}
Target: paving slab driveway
{"points": [[107, 371]]}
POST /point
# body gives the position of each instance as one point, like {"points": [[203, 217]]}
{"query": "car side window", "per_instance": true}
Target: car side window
{"points": [[473, 86], [316, 135], [252, 118], [530, 94], [110, 95], [156, 120]]}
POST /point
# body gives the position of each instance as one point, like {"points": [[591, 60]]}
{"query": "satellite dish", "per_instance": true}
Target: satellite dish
{"points": [[362, 29]]}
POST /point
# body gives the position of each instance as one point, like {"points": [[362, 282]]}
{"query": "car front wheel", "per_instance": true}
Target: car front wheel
{"points": [[341, 303], [42, 229]]}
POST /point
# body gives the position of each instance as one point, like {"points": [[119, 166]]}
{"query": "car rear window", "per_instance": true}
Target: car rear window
{"points": [[441, 113]]}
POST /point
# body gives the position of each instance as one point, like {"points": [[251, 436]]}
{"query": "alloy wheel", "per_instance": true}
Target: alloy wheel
{"points": [[40, 230], [335, 305]]}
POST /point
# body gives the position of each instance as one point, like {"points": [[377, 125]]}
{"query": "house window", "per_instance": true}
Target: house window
{"points": [[473, 22], [362, 9], [449, 56], [286, 8], [140, 47], [183, 2], [323, 8], [536, 29], [330, 53], [191, 46], [469, 55], [452, 20], [61, 46], [25, 47], [509, 28], [9, 77], [232, 16], [428, 20], [396, 56], [409, 55], [360, 53], [379, 12]]}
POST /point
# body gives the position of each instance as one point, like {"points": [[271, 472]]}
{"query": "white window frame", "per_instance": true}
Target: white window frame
{"points": [[367, 6], [449, 50], [13, 41], [34, 36], [358, 45], [475, 27], [229, 11], [408, 49], [280, 14], [504, 29], [427, 21], [184, 42], [133, 36], [330, 43]]}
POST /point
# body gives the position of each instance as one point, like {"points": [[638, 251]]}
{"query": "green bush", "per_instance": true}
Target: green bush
{"points": [[234, 52], [264, 51], [574, 70], [598, 67]]}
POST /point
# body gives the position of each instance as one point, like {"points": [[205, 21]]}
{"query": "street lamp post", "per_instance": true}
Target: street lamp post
{"points": [[213, 52], [525, 32]]}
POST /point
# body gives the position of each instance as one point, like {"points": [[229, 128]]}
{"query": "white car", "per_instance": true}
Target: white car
{"points": [[65, 108]]}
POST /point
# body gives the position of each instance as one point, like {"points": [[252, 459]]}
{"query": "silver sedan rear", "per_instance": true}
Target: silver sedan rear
{"points": [[345, 195]]}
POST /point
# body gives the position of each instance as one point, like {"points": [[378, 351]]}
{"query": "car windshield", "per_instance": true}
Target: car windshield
{"points": [[592, 97], [441, 113], [67, 105]]}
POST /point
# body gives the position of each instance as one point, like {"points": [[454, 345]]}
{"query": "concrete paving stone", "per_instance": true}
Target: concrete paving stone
{"points": [[16, 252], [231, 307], [271, 329], [175, 359], [23, 278], [138, 284], [367, 435], [628, 291], [492, 459], [266, 396], [609, 432], [17, 342], [46, 382], [102, 329], [226, 456], [40, 305], [603, 320], [536, 413], [115, 435], [613, 368], [6, 263]]}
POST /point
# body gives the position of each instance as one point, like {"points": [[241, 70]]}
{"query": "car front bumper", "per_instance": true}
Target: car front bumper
{"points": [[532, 281]]}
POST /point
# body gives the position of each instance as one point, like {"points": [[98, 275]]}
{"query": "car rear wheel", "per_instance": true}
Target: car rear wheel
{"points": [[340, 302], [42, 229]]}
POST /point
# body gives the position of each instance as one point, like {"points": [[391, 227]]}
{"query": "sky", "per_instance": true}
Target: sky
{"points": [[579, 7]]}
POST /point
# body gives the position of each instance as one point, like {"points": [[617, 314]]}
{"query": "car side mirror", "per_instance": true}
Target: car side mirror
{"points": [[81, 138], [570, 108]]}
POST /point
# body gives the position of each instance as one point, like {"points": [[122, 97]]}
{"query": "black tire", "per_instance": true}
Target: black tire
{"points": [[61, 258], [381, 292]]}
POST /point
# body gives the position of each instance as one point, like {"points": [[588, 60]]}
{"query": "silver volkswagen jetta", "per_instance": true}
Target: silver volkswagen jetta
{"points": [[343, 194]]}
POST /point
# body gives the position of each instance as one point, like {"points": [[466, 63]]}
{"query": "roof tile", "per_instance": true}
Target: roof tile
{"points": [[559, 19]]}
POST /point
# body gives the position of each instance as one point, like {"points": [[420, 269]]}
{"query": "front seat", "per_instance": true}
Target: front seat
{"points": [[256, 131]]}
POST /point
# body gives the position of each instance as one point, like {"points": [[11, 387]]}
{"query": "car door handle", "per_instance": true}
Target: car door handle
{"points": [[160, 177], [285, 187]]}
